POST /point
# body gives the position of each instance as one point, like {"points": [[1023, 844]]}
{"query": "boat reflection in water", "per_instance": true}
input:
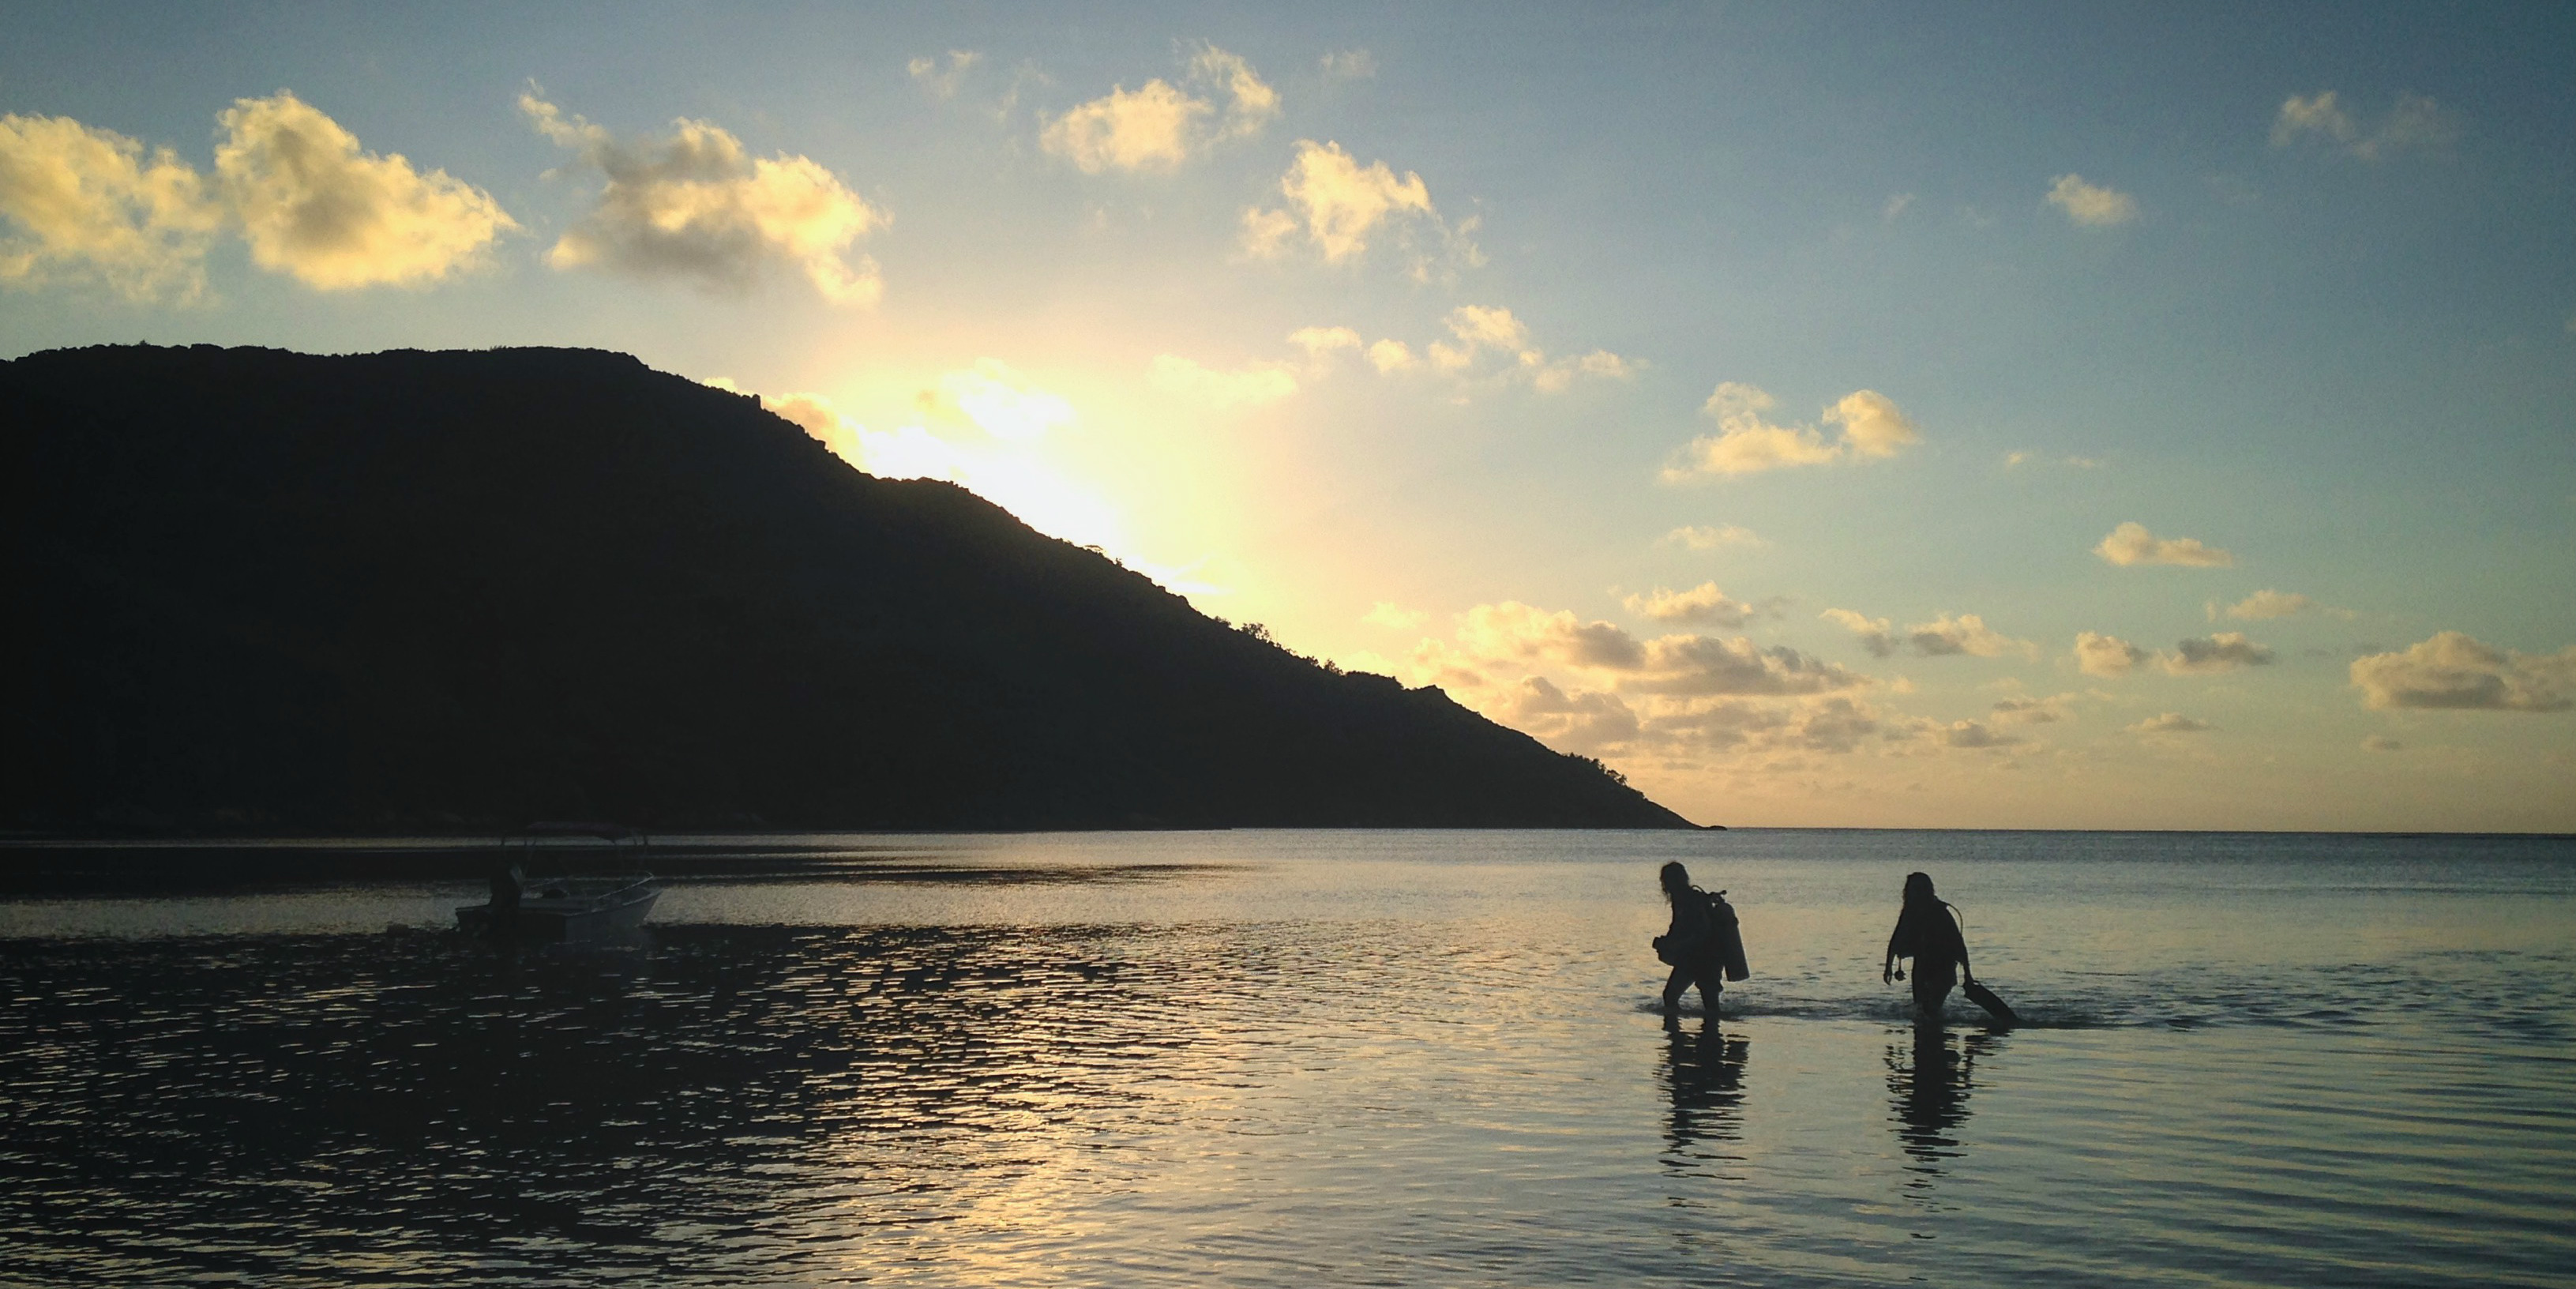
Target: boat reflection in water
{"points": [[572, 909]]}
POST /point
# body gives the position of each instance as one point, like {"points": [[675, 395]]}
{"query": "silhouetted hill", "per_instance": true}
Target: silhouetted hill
{"points": [[253, 590]]}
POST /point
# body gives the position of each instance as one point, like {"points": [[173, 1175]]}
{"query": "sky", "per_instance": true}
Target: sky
{"points": [[2153, 416]]}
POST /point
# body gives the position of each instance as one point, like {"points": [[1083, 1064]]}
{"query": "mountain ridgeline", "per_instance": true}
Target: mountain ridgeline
{"points": [[251, 590]]}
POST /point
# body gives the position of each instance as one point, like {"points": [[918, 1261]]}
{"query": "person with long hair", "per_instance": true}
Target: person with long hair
{"points": [[1690, 944], [1927, 933]]}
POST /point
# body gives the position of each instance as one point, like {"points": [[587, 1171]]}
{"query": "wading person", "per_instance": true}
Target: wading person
{"points": [[1926, 932], [1701, 945]]}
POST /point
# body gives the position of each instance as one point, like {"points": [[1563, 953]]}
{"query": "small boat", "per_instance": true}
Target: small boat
{"points": [[585, 909]]}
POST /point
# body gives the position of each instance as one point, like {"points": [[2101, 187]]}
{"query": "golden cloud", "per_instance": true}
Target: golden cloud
{"points": [[694, 204], [91, 204]]}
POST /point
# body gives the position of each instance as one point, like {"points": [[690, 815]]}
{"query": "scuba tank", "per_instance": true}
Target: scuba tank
{"points": [[1729, 941]]}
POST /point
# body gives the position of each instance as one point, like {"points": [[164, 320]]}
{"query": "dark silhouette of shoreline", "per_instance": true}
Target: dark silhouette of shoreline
{"points": [[260, 592]]}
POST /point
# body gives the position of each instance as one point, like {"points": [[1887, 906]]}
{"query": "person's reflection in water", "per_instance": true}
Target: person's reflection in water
{"points": [[1704, 1073], [1928, 1090]]}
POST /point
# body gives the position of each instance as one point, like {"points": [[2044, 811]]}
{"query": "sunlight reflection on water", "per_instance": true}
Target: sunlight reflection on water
{"points": [[1318, 1058]]}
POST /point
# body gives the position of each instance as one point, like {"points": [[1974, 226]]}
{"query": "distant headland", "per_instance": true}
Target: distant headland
{"points": [[260, 591]]}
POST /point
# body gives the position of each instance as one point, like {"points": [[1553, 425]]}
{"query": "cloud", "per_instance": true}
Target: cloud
{"points": [[1966, 634], [1250, 102], [815, 415], [1249, 387], [1321, 341], [2131, 543], [1151, 128], [1266, 232], [2169, 723], [1705, 537], [2381, 743], [2225, 651], [1516, 632], [940, 81], [1703, 603], [2263, 605], [2017, 459], [2033, 711], [1895, 206], [1390, 356], [1976, 734], [1489, 341], [1512, 632], [999, 401], [1387, 613], [2091, 206], [1873, 427], [1584, 721], [2451, 670], [92, 205], [316, 206], [1349, 65], [1159, 126], [2101, 655], [2414, 123], [1873, 632], [1342, 203], [693, 204]]}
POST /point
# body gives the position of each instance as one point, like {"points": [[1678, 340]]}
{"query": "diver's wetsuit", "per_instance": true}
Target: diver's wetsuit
{"points": [[1926, 933]]}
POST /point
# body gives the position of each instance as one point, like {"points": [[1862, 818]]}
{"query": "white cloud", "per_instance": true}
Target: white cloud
{"points": [[1895, 206], [1390, 356], [2225, 651], [999, 401], [85, 204], [2016, 459], [1516, 632], [1266, 232], [693, 204], [1343, 203], [2131, 543], [941, 80], [1318, 342], [1705, 537], [1872, 428], [1488, 341], [1147, 129], [1702, 603], [1967, 633], [316, 206], [1250, 387], [2414, 123], [2089, 205], [1250, 102], [1387, 613], [1160, 126], [1873, 632], [1349, 65], [2101, 655], [2263, 605], [2318, 114], [2170, 723], [815, 415], [2452, 670]]}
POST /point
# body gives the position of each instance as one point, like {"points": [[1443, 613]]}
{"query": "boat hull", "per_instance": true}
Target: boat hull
{"points": [[543, 921]]}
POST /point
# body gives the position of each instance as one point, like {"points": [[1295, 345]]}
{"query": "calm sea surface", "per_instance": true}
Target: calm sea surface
{"points": [[1320, 1058]]}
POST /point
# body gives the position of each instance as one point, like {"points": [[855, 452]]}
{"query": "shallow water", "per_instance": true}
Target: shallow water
{"points": [[1320, 1058]]}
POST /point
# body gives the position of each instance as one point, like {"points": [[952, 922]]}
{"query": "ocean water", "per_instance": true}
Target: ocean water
{"points": [[1318, 1058]]}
